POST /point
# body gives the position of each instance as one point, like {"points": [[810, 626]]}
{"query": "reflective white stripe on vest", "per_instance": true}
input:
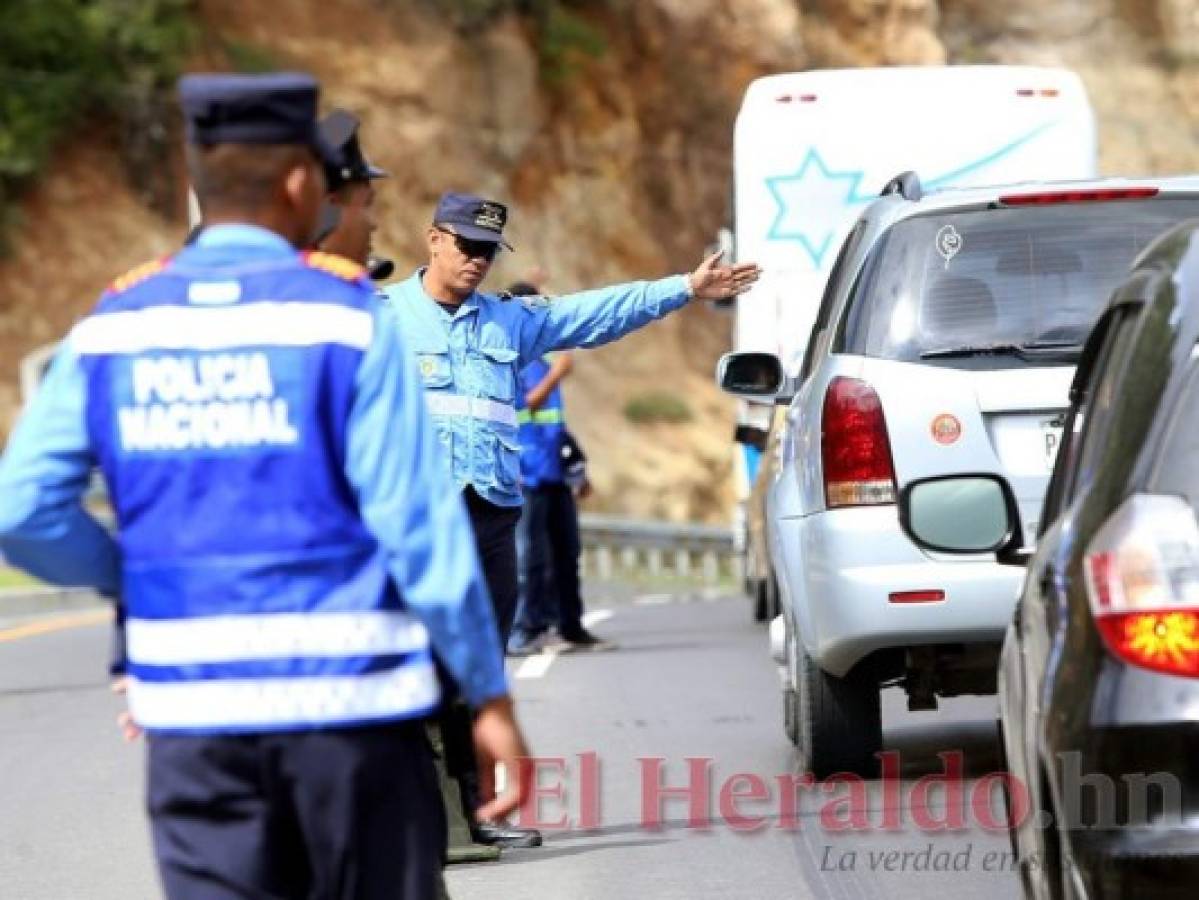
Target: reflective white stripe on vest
{"points": [[443, 404], [248, 704], [266, 323], [217, 639]]}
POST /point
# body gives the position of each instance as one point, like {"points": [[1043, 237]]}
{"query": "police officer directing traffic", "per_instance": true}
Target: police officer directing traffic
{"points": [[290, 553], [470, 346]]}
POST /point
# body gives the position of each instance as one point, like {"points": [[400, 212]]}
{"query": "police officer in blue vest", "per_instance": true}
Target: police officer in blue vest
{"points": [[290, 553], [470, 345]]}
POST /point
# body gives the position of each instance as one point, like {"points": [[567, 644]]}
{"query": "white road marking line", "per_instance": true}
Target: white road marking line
{"points": [[596, 616], [537, 665], [653, 599]]}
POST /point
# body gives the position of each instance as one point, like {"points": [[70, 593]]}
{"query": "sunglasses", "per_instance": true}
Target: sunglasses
{"points": [[473, 249]]}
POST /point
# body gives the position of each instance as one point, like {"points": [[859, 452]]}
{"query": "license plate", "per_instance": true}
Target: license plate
{"points": [[1051, 432]]}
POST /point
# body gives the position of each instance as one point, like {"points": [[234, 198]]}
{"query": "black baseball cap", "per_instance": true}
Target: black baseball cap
{"points": [[472, 217], [340, 130]]}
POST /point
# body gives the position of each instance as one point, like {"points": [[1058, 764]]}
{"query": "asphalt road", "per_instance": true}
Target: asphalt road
{"points": [[691, 679]]}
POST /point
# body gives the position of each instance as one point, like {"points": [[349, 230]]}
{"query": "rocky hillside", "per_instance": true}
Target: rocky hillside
{"points": [[610, 136]]}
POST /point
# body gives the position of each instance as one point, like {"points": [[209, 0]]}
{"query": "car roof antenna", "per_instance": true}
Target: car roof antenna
{"points": [[906, 184]]}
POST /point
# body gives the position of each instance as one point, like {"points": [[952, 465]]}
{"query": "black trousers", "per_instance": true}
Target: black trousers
{"points": [[495, 539], [345, 813]]}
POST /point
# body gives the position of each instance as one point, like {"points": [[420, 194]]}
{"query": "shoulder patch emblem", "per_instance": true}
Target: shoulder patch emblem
{"points": [[343, 268], [137, 274]]}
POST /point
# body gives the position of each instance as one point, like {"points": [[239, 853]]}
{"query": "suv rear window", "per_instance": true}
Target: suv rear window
{"points": [[940, 286]]}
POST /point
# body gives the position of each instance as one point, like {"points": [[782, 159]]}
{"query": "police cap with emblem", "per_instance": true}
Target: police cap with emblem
{"points": [[276, 108], [472, 217], [340, 130]]}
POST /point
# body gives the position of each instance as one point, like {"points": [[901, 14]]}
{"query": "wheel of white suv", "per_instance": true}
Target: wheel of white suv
{"points": [[838, 720], [790, 699], [761, 600]]}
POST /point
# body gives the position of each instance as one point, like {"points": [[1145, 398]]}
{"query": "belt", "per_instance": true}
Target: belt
{"points": [[540, 417], [442, 404]]}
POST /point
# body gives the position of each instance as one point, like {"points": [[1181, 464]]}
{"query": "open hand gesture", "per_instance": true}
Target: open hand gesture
{"points": [[712, 281]]}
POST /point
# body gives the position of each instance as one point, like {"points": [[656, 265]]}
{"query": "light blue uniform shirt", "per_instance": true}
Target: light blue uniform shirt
{"points": [[402, 493], [469, 362]]}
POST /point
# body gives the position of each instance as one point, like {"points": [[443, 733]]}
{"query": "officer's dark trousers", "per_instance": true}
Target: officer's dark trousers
{"points": [[495, 538], [345, 813]]}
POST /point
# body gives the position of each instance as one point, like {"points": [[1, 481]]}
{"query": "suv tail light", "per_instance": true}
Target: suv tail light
{"points": [[1142, 578], [1088, 195], [854, 447]]}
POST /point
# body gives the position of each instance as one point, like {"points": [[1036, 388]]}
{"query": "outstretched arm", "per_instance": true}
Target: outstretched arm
{"points": [[591, 318]]}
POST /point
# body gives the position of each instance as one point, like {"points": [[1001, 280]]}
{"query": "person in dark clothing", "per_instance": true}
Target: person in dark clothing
{"points": [[547, 536]]}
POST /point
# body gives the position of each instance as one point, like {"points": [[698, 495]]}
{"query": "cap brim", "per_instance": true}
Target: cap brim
{"points": [[475, 233]]}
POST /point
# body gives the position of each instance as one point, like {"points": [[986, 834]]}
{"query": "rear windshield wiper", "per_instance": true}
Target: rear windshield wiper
{"points": [[1030, 352]]}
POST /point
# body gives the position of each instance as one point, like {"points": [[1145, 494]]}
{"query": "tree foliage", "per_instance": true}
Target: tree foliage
{"points": [[564, 34], [64, 60]]}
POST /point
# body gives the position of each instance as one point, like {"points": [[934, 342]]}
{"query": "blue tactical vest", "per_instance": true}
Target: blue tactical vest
{"points": [[541, 430], [217, 401]]}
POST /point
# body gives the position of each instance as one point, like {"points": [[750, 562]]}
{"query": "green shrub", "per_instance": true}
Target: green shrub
{"points": [[62, 60], [563, 35], [250, 58], [657, 406]]}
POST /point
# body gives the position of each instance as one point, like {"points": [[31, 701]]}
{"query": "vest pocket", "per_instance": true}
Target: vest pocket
{"points": [[497, 372], [507, 462], [434, 368]]}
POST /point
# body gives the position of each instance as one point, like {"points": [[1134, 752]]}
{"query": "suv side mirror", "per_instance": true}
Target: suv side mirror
{"points": [[960, 514], [753, 376]]}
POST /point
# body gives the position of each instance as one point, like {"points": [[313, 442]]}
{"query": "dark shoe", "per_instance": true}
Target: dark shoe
{"points": [[584, 640], [499, 834], [527, 644]]}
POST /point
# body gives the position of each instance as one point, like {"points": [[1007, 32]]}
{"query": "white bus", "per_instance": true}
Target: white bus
{"points": [[812, 148]]}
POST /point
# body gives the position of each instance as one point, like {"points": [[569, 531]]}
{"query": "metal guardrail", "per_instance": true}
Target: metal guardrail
{"points": [[613, 544]]}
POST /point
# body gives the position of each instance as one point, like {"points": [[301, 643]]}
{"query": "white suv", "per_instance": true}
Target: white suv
{"points": [[945, 343]]}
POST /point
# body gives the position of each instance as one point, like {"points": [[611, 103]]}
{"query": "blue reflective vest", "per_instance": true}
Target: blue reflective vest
{"points": [[470, 360], [214, 384], [540, 429]]}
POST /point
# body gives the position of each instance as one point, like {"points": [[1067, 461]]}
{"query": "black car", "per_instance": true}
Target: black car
{"points": [[1099, 673]]}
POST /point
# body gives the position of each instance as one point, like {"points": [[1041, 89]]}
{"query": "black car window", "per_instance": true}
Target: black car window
{"points": [[1029, 279], [1177, 467], [1102, 393], [1065, 469], [828, 300]]}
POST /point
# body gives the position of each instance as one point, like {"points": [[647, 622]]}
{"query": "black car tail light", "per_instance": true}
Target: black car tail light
{"points": [[1142, 580]]}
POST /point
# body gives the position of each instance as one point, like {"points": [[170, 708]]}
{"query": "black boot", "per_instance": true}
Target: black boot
{"points": [[493, 834]]}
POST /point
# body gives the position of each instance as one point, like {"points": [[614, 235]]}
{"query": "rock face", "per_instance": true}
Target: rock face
{"points": [[621, 171]]}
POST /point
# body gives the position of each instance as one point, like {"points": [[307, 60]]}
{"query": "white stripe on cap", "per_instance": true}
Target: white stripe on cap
{"points": [[279, 703], [443, 404], [263, 323], [218, 639]]}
